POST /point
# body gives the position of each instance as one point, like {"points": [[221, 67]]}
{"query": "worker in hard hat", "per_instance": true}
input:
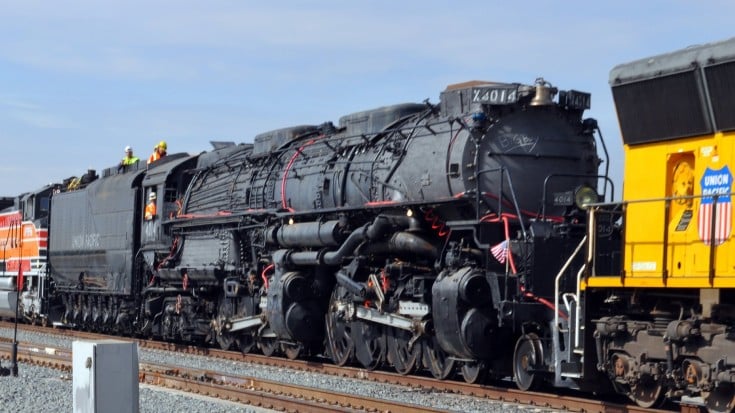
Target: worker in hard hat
{"points": [[158, 152], [128, 160], [150, 209]]}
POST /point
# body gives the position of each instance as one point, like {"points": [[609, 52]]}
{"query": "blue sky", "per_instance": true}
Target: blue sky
{"points": [[80, 80]]}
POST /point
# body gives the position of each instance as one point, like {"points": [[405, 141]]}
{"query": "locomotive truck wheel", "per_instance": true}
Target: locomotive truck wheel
{"points": [[474, 372], [370, 344], [721, 399], [647, 392], [436, 360], [403, 359], [340, 346], [526, 358]]}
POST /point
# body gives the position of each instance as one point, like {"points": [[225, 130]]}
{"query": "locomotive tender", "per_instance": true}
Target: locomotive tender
{"points": [[474, 237]]}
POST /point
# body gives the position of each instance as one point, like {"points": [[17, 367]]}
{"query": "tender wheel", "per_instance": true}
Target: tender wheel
{"points": [[474, 372], [340, 346], [404, 359], [527, 357], [369, 344], [722, 399], [436, 360]]}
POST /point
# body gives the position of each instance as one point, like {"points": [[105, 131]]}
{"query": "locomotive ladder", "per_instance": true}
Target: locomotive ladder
{"points": [[567, 361]]}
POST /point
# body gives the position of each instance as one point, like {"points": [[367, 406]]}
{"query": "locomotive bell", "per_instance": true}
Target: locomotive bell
{"points": [[544, 93]]}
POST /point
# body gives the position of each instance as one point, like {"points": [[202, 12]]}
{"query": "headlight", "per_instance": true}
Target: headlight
{"points": [[585, 195]]}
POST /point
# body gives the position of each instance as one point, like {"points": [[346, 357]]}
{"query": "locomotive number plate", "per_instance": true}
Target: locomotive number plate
{"points": [[495, 95], [575, 99]]}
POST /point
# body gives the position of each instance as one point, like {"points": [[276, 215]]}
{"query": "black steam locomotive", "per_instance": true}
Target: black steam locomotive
{"points": [[418, 236]]}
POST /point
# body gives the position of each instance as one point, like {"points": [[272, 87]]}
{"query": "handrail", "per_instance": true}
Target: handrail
{"points": [[557, 280], [577, 313], [658, 199]]}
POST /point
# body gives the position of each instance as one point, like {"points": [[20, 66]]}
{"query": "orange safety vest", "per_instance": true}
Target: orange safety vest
{"points": [[150, 210], [155, 156]]}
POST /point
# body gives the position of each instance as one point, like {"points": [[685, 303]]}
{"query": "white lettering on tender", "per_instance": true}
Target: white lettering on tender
{"points": [[85, 241]]}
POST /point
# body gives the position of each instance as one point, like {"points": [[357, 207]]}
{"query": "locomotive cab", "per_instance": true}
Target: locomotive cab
{"points": [[165, 183]]}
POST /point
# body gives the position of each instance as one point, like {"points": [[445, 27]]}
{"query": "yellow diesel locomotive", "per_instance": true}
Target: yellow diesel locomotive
{"points": [[662, 324]]}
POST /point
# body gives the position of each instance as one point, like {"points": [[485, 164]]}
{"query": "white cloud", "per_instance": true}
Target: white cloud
{"points": [[12, 102], [37, 119]]}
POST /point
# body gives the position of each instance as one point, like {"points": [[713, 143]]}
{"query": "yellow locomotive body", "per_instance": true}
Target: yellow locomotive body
{"points": [[671, 216]]}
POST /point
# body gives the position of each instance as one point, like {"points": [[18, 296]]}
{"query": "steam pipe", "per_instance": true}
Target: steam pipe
{"points": [[163, 290], [404, 242], [307, 234], [373, 231]]}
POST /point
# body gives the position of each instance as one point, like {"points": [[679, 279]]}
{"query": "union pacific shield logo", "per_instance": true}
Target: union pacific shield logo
{"points": [[715, 182]]}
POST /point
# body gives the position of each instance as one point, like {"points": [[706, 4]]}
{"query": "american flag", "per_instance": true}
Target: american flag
{"points": [[723, 222], [500, 251], [714, 223]]}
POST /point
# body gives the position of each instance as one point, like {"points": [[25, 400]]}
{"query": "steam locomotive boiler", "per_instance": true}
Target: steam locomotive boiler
{"points": [[414, 235]]}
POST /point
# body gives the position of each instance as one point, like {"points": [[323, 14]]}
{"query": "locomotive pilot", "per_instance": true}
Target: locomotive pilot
{"points": [[150, 209]]}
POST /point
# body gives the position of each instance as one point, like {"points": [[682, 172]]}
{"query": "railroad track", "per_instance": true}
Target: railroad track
{"points": [[246, 390], [267, 394]]}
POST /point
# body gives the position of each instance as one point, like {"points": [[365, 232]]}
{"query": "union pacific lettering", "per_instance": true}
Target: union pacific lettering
{"points": [[715, 191], [717, 179]]}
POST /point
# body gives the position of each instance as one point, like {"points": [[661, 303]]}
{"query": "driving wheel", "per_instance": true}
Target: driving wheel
{"points": [[403, 356], [340, 346], [369, 344], [436, 360]]}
